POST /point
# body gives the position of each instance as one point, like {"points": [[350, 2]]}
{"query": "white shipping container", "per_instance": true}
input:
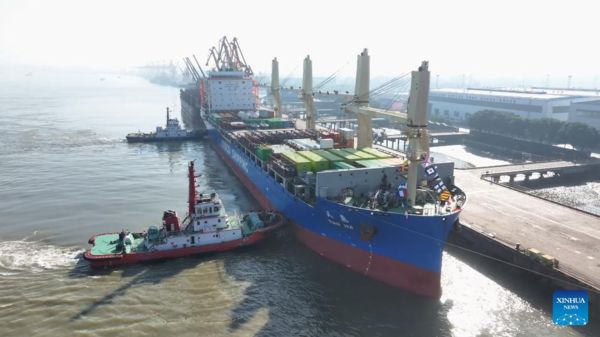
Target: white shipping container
{"points": [[326, 143]]}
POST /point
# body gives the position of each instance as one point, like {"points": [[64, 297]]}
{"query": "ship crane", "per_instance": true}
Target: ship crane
{"points": [[354, 102], [415, 119], [358, 103]]}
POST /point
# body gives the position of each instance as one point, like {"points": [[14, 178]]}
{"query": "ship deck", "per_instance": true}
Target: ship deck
{"points": [[570, 236], [107, 245]]}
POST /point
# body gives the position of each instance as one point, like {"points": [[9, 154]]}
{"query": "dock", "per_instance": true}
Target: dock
{"points": [[528, 169], [509, 223]]}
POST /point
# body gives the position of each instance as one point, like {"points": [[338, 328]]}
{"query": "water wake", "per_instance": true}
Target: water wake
{"points": [[36, 256]]}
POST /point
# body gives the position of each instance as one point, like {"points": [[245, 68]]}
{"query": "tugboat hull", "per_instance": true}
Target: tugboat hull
{"points": [[102, 261], [138, 139]]}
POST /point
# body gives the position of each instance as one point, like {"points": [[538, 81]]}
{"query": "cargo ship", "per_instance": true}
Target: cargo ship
{"points": [[350, 204]]}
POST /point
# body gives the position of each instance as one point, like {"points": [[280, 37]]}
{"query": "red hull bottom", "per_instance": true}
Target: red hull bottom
{"points": [[121, 259], [393, 272]]}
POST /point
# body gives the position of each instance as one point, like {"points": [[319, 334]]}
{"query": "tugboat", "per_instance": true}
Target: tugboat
{"points": [[172, 131], [208, 229]]}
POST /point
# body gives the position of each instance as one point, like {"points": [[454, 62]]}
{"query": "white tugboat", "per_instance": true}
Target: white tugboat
{"points": [[172, 131]]}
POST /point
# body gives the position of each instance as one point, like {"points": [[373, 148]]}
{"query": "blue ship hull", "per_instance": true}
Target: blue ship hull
{"points": [[405, 252]]}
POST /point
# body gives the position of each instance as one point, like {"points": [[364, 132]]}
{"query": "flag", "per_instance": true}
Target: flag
{"points": [[439, 186], [445, 196], [402, 190], [426, 161], [431, 173]]}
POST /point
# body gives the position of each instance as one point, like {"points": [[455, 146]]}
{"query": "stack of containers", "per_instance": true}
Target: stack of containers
{"points": [[348, 157], [359, 153], [318, 163], [378, 154], [302, 164], [374, 163], [329, 156]]}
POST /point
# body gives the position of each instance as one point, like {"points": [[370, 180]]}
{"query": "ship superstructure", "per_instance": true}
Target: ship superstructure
{"points": [[381, 214]]}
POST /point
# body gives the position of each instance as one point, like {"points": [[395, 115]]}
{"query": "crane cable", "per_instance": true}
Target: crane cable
{"points": [[387, 85], [330, 78], [404, 87], [287, 78]]}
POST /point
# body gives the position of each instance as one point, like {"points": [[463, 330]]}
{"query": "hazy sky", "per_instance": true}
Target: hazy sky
{"points": [[483, 38]]}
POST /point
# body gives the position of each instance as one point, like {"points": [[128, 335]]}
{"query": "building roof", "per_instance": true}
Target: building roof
{"points": [[501, 93], [589, 102], [560, 91], [516, 93]]}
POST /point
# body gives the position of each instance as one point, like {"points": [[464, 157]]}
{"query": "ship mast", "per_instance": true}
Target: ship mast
{"points": [[416, 127], [192, 189]]}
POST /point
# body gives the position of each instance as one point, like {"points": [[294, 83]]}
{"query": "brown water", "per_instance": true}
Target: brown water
{"points": [[66, 174]]}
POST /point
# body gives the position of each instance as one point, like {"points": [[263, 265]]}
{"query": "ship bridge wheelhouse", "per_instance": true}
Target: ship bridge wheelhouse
{"points": [[208, 205], [209, 213]]}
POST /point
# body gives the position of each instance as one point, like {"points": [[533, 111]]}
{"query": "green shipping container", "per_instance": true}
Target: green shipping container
{"points": [[359, 153], [340, 165], [264, 152], [302, 164], [366, 164], [378, 154], [329, 156], [348, 157], [318, 163]]}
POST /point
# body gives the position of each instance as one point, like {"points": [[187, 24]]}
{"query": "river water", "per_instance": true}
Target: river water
{"points": [[66, 174]]}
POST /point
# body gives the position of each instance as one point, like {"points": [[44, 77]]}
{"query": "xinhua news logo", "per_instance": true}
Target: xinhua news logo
{"points": [[570, 307]]}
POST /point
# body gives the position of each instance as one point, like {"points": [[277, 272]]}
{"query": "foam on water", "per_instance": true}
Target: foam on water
{"points": [[35, 256]]}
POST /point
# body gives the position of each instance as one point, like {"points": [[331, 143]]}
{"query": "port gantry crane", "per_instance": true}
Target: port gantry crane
{"points": [[358, 103], [229, 57]]}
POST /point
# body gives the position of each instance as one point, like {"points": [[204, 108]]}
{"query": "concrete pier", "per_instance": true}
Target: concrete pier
{"points": [[497, 219]]}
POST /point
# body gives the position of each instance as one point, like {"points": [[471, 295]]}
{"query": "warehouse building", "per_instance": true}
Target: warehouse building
{"points": [[586, 112], [458, 104]]}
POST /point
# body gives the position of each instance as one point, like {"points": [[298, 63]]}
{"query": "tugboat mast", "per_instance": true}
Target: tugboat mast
{"points": [[192, 189]]}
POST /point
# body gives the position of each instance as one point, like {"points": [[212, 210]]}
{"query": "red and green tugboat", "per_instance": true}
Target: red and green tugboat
{"points": [[207, 229]]}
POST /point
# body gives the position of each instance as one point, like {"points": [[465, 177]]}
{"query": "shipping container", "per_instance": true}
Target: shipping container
{"points": [[264, 152], [302, 164], [347, 133], [366, 163], [329, 156], [348, 157], [326, 143], [394, 161], [318, 163], [359, 153], [281, 148], [341, 166], [378, 154]]}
